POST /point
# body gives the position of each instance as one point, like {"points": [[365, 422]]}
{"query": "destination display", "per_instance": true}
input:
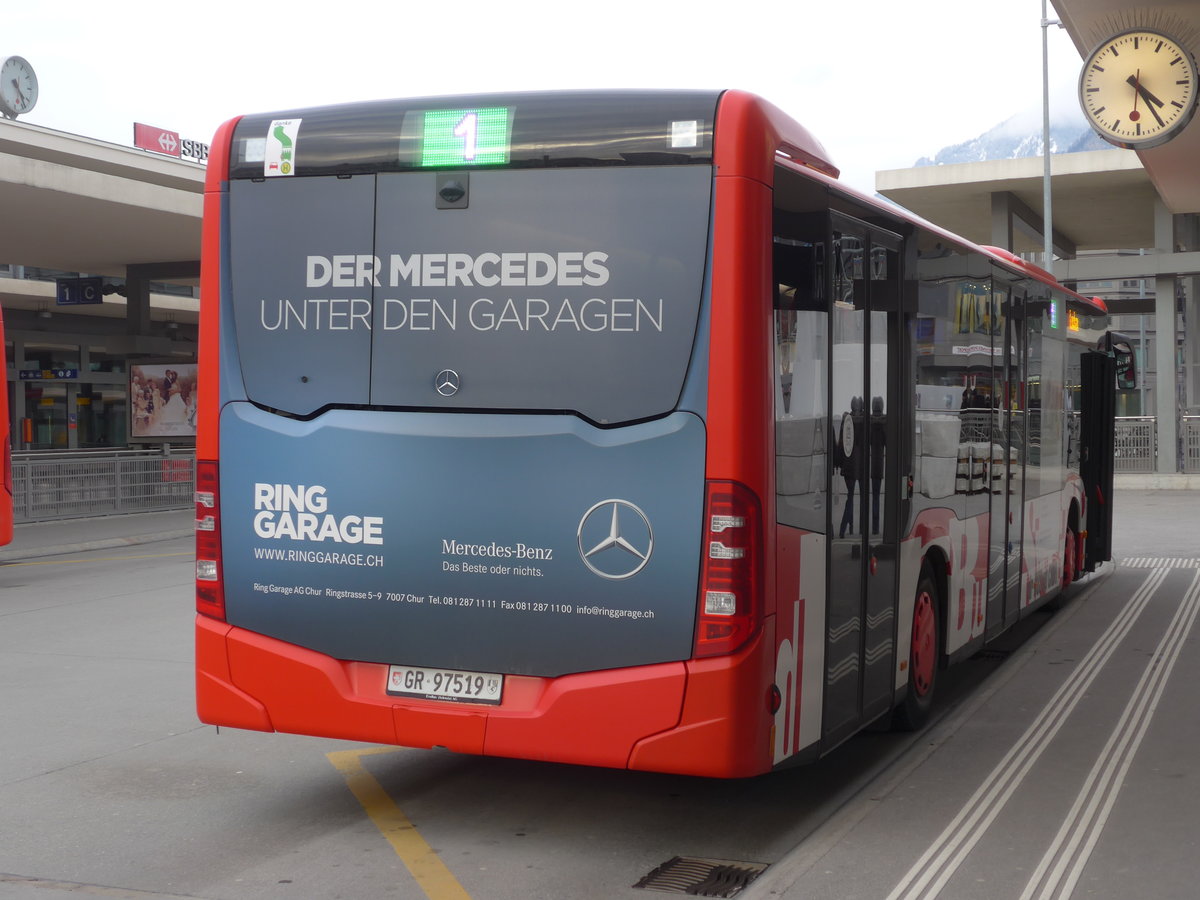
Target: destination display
{"points": [[468, 137], [569, 129]]}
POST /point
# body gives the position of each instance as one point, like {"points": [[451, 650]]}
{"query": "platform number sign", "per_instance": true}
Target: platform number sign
{"points": [[466, 137]]}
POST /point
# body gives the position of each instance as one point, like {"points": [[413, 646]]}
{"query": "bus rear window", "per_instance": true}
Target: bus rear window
{"points": [[567, 290]]}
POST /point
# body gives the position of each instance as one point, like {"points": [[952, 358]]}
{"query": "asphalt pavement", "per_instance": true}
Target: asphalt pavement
{"points": [[1071, 772], [40, 539]]}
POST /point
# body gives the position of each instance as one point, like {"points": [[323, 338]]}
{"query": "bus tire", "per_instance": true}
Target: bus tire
{"points": [[1070, 569], [1070, 566], [923, 657]]}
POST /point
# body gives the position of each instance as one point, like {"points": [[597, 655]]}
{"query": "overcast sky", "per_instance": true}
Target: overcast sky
{"points": [[879, 82]]}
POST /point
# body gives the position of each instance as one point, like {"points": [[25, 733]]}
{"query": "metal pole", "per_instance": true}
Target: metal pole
{"points": [[1142, 345], [1142, 364], [1047, 217]]}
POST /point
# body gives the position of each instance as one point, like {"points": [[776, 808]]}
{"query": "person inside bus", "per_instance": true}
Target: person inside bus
{"points": [[973, 398], [851, 463]]}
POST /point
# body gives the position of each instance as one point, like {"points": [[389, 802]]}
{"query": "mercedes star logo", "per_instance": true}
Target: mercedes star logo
{"points": [[615, 539], [447, 382]]}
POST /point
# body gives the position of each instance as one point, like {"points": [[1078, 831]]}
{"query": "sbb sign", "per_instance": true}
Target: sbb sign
{"points": [[159, 140], [194, 149]]}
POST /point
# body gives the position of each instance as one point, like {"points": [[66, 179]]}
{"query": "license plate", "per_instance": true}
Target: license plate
{"points": [[445, 684]]}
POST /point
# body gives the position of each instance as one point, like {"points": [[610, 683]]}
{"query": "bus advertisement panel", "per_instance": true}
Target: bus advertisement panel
{"points": [[580, 427]]}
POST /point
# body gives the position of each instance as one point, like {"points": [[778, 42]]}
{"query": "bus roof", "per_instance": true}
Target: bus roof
{"points": [[513, 130]]}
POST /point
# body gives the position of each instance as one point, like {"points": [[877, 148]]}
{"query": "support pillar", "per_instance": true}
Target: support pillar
{"points": [[1165, 402], [1187, 233], [137, 303], [1014, 222], [1002, 220]]}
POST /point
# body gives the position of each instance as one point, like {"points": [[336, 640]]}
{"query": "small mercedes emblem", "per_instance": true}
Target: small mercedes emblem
{"points": [[615, 539], [447, 382]]}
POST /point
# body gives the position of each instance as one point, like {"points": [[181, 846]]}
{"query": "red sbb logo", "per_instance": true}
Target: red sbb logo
{"points": [[168, 143]]}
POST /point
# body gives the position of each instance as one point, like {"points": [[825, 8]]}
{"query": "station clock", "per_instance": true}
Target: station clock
{"points": [[18, 87], [1138, 88]]}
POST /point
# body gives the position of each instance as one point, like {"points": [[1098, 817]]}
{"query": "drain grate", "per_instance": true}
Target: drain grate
{"points": [[701, 877]]}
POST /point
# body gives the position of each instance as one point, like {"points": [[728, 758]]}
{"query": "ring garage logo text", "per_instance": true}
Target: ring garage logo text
{"points": [[298, 512]]}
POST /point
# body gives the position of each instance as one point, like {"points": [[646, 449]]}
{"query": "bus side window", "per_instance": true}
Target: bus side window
{"points": [[800, 377]]}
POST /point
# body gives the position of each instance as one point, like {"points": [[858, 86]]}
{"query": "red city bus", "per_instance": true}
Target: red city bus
{"points": [[609, 428], [6, 489]]}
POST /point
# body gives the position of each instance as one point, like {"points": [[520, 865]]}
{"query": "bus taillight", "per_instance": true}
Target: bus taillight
{"points": [[210, 588], [730, 584]]}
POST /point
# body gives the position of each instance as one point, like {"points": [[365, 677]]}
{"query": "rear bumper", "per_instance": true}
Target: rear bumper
{"points": [[688, 717]]}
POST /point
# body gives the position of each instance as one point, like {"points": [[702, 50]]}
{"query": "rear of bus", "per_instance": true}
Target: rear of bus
{"points": [[452, 464]]}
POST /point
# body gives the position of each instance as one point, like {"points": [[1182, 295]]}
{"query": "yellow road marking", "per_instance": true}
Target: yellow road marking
{"points": [[56, 562], [425, 866]]}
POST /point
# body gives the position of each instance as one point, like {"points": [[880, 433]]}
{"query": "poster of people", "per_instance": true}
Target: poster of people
{"points": [[162, 401]]}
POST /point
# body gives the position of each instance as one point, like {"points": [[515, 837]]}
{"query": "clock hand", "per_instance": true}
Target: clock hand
{"points": [[1151, 100], [1137, 86], [1157, 117]]}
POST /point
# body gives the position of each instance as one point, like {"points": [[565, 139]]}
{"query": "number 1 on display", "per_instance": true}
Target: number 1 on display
{"points": [[467, 129]]}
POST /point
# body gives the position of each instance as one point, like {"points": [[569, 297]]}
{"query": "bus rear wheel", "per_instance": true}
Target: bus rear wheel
{"points": [[922, 658], [1069, 565]]}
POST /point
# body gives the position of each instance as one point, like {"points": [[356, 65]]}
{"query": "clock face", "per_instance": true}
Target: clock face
{"points": [[18, 87], [1138, 89]]}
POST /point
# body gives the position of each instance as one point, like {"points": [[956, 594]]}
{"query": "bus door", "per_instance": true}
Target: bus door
{"points": [[1007, 464], [863, 547], [1100, 373]]}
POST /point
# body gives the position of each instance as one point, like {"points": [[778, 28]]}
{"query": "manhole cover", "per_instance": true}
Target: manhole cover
{"points": [[701, 877]]}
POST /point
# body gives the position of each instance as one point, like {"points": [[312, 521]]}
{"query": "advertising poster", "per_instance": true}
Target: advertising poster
{"points": [[162, 401]]}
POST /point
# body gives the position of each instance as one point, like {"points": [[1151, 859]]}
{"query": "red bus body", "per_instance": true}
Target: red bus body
{"points": [[750, 696]]}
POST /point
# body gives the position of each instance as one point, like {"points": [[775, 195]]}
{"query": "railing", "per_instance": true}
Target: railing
{"points": [[1135, 446], [1191, 445], [66, 485], [72, 484]]}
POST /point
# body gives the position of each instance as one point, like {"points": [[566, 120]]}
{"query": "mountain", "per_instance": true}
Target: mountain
{"points": [[1021, 136]]}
